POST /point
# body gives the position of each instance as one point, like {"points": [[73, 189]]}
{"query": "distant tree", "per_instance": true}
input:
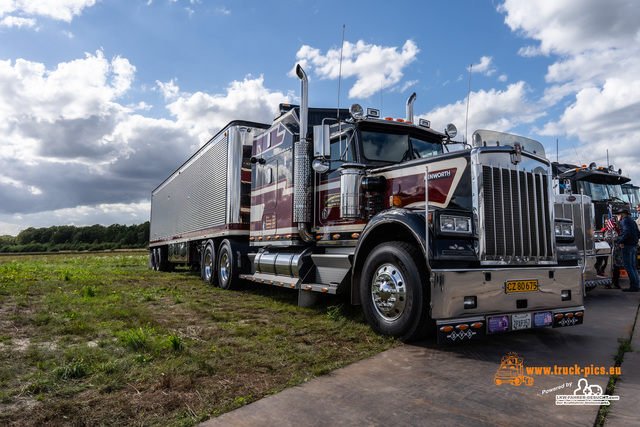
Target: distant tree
{"points": [[70, 237]]}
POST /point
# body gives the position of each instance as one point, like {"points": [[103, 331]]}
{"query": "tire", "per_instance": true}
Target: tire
{"points": [[208, 265], [151, 259], [156, 259], [227, 267], [162, 259], [394, 294]]}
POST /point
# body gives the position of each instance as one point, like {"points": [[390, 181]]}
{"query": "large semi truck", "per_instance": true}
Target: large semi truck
{"points": [[324, 201], [588, 195]]}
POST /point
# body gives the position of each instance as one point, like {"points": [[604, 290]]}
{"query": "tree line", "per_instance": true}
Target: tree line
{"points": [[71, 238]]}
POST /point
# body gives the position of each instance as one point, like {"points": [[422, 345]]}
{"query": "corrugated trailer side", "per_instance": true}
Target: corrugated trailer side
{"points": [[203, 198]]}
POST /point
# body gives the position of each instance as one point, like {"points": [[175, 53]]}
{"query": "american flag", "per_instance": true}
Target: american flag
{"points": [[610, 222]]}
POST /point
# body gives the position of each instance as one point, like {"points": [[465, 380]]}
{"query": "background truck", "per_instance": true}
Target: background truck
{"points": [[592, 192], [459, 243]]}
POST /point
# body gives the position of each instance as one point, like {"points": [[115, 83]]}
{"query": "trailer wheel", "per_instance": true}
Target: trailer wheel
{"points": [[156, 259], [393, 292], [207, 271], [227, 270], [151, 261]]}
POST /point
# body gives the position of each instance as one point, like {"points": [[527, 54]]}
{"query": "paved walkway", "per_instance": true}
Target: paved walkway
{"points": [[452, 385]]}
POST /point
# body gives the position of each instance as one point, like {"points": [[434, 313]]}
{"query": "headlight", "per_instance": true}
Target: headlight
{"points": [[455, 224], [564, 229]]}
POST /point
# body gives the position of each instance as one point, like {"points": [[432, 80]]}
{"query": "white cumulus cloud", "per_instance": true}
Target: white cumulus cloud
{"points": [[374, 67]]}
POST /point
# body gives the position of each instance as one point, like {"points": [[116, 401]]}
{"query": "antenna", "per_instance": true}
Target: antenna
{"points": [[576, 151], [557, 161], [466, 123], [608, 158], [340, 70]]}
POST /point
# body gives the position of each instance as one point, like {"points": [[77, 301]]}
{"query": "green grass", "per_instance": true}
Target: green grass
{"points": [[98, 339]]}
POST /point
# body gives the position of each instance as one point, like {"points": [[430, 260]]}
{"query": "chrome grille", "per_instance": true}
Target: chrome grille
{"points": [[582, 215], [516, 216]]}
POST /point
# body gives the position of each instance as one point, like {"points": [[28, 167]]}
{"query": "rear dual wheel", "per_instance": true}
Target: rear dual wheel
{"points": [[208, 266], [158, 260], [227, 267], [220, 268]]}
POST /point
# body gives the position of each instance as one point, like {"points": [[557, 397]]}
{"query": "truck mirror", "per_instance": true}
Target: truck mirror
{"points": [[321, 144], [320, 166]]}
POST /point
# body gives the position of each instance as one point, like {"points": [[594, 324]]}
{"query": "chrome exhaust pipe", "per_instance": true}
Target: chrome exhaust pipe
{"points": [[410, 102], [302, 164]]}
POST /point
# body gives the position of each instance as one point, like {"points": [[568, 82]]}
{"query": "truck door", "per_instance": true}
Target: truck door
{"points": [[342, 151]]}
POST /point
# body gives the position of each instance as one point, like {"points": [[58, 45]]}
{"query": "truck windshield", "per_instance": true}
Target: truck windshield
{"points": [[397, 147], [601, 192], [631, 195]]}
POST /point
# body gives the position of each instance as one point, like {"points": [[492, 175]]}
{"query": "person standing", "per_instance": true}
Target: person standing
{"points": [[628, 241], [611, 237], [638, 222]]}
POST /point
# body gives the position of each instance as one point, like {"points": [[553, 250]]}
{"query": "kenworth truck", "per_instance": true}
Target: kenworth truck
{"points": [[459, 243], [594, 192]]}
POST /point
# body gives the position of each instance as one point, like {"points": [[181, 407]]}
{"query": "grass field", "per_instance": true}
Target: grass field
{"points": [[98, 339]]}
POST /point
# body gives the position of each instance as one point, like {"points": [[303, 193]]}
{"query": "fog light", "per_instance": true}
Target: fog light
{"points": [[470, 302]]}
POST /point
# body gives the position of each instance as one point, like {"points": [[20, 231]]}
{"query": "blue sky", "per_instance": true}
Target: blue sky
{"points": [[100, 100]]}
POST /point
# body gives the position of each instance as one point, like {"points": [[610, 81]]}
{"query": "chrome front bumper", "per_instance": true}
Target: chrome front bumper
{"points": [[468, 304]]}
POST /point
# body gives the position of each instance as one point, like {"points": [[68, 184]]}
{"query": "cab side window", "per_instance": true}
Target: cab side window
{"points": [[341, 151]]}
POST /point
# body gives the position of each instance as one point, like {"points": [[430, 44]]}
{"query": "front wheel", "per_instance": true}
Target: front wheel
{"points": [[393, 292]]}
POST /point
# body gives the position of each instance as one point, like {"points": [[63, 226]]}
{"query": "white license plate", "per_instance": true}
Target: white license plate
{"points": [[521, 321]]}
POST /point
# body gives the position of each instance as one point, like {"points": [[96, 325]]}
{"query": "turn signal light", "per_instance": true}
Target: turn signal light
{"points": [[462, 327], [446, 328], [476, 325]]}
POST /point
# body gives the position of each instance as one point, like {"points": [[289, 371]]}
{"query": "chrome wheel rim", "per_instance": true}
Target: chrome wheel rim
{"points": [[224, 267], [389, 292], [207, 266]]}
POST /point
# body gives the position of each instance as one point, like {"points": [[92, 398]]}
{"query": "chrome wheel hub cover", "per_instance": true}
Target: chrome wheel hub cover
{"points": [[389, 292]]}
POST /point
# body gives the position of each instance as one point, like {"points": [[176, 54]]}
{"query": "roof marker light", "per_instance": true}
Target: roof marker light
{"points": [[424, 123]]}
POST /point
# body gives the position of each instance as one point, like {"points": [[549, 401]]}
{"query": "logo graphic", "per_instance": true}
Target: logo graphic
{"points": [[511, 371], [585, 394]]}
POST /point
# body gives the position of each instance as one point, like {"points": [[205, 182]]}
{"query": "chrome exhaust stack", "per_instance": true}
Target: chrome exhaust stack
{"points": [[410, 102], [302, 164]]}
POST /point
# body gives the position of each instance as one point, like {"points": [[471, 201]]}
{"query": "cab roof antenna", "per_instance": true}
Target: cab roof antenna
{"points": [[340, 71], [466, 124]]}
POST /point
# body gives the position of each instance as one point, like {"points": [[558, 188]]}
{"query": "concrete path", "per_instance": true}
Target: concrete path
{"points": [[452, 385]]}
